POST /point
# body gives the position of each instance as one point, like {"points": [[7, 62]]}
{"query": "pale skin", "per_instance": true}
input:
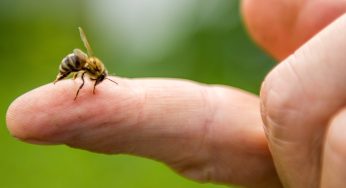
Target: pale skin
{"points": [[214, 133]]}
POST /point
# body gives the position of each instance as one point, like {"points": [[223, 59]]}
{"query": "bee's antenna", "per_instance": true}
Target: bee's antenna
{"points": [[86, 43], [112, 81]]}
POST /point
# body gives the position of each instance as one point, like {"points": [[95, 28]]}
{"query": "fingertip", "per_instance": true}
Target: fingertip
{"points": [[49, 114], [25, 114], [12, 122]]}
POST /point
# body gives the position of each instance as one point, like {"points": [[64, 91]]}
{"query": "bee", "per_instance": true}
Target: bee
{"points": [[79, 63]]}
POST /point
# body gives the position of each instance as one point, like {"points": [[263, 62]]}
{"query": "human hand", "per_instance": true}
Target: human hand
{"points": [[207, 133], [303, 99]]}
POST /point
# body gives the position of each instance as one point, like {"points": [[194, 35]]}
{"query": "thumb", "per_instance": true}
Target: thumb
{"points": [[299, 98]]}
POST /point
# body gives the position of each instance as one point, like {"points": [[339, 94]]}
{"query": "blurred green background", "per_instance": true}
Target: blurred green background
{"points": [[199, 40]]}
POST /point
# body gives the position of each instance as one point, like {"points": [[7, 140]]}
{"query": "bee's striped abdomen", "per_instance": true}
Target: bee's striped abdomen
{"points": [[70, 63]]}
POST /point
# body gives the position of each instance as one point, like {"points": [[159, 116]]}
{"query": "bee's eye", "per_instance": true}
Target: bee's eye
{"points": [[102, 77]]}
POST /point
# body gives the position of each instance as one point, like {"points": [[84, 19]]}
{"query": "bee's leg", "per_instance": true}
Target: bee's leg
{"points": [[80, 87], [75, 75], [97, 81], [60, 77], [95, 86]]}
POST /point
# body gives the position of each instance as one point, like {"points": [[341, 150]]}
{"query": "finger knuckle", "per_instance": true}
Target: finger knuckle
{"points": [[282, 97]]}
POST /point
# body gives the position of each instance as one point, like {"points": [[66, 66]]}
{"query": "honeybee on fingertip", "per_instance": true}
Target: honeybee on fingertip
{"points": [[80, 63]]}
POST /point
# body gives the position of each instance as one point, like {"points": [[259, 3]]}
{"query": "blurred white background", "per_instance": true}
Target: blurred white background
{"points": [[149, 29]]}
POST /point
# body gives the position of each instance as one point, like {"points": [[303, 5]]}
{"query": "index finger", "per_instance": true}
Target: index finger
{"points": [[182, 123]]}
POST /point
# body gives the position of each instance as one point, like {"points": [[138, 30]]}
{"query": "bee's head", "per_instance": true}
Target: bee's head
{"points": [[101, 77]]}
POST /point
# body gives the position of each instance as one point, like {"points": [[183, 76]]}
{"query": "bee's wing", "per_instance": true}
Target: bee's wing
{"points": [[81, 55], [85, 41]]}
